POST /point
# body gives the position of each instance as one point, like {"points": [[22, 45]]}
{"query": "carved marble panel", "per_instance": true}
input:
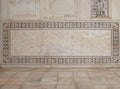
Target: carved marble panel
{"points": [[0, 46], [64, 9], [99, 8], [24, 9], [61, 42]]}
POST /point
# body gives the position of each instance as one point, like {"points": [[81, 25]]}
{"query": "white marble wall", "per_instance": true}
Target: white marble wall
{"points": [[53, 9], [43, 43], [0, 44]]}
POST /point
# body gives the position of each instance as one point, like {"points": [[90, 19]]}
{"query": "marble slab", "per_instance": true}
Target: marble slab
{"points": [[61, 43]]}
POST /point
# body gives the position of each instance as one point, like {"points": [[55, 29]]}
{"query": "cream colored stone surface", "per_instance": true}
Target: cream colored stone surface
{"points": [[72, 82], [70, 42], [31, 9], [53, 9], [0, 45], [61, 43]]}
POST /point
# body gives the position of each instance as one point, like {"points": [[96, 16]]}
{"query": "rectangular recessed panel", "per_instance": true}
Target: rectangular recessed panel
{"points": [[61, 42], [24, 9], [58, 7]]}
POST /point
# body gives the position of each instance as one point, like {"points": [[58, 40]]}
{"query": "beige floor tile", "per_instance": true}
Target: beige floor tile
{"points": [[7, 74], [10, 87], [99, 81], [18, 78], [102, 87], [114, 69], [33, 80], [117, 73], [95, 74], [51, 74], [1, 86], [48, 81], [110, 74], [15, 82], [84, 81], [91, 74], [66, 87], [116, 87], [47, 87], [4, 80], [60, 78], [114, 81], [80, 74], [20, 75], [28, 87], [36, 73], [65, 74], [82, 86], [65, 81]]}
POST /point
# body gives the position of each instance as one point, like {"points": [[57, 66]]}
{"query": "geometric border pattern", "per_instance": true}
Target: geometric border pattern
{"points": [[82, 25]]}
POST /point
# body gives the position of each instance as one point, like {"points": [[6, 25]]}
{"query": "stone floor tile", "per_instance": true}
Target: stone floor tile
{"points": [[95, 74], [18, 78], [80, 74], [51, 74], [4, 80], [28, 87], [48, 81], [65, 81], [117, 73], [99, 81], [110, 74], [1, 86], [114, 69], [10, 87], [65, 74], [7, 74], [60, 78], [20, 75], [114, 81], [116, 87], [47, 87], [33, 80], [84, 81], [91, 74], [102, 87], [82, 86], [66, 87], [36, 73], [14, 82]]}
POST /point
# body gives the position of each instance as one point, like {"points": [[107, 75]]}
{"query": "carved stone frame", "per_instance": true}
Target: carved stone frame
{"points": [[108, 10], [26, 25]]}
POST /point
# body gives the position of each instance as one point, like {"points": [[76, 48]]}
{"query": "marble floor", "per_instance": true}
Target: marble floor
{"points": [[60, 78]]}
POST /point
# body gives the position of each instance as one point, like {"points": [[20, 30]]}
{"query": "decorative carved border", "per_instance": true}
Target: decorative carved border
{"points": [[22, 25]]}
